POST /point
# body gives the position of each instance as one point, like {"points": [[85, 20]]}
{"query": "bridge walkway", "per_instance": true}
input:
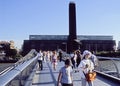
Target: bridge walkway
{"points": [[48, 77]]}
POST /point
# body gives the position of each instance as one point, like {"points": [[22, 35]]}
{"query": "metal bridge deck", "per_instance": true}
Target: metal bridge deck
{"points": [[48, 77]]}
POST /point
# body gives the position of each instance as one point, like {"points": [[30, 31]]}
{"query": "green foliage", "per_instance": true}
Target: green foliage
{"points": [[11, 53], [108, 53]]}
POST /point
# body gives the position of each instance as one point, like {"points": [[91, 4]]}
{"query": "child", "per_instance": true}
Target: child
{"points": [[65, 75]]}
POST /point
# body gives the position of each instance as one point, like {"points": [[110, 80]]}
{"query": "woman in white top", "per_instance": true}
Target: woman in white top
{"points": [[86, 65]]}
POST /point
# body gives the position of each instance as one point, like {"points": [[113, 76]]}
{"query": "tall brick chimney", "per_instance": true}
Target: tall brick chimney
{"points": [[72, 21], [71, 44]]}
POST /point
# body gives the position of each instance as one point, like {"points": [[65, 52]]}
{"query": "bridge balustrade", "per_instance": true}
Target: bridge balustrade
{"points": [[109, 65], [17, 74]]}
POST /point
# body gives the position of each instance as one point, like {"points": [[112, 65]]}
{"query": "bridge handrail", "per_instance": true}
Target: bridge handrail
{"points": [[109, 58], [112, 59], [30, 55], [17, 70]]}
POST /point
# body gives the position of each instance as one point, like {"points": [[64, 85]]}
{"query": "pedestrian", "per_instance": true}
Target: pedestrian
{"points": [[60, 56], [86, 66], [93, 58], [65, 75], [75, 61], [54, 60], [79, 57], [71, 58], [40, 59]]}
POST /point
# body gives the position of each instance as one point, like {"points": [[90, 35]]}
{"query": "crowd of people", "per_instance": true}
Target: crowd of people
{"points": [[47, 56], [77, 62]]}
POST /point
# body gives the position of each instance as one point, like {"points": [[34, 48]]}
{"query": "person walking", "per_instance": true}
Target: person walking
{"points": [[86, 66], [40, 59], [93, 58], [65, 75], [79, 57], [54, 60], [60, 56], [75, 61]]}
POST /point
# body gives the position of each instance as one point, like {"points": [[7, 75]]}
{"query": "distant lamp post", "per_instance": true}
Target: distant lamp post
{"points": [[64, 43]]}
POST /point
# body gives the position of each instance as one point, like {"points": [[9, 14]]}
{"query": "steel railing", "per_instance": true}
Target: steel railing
{"points": [[109, 65], [16, 74]]}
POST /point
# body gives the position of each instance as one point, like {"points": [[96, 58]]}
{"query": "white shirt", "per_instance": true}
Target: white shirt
{"points": [[66, 75], [40, 56], [82, 67]]}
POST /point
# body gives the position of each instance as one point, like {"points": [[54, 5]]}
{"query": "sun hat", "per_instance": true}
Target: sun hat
{"points": [[86, 52]]}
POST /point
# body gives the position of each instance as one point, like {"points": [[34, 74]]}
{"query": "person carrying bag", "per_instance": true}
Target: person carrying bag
{"points": [[86, 68], [90, 76]]}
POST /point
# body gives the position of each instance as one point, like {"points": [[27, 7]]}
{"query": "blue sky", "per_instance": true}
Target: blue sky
{"points": [[21, 18]]}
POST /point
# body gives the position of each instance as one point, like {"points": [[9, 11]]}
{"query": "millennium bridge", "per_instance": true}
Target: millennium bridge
{"points": [[25, 72]]}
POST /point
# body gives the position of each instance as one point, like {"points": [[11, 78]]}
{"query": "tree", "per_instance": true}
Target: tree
{"points": [[11, 53]]}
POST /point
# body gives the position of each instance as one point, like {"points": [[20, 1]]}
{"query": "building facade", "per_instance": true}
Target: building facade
{"points": [[54, 42]]}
